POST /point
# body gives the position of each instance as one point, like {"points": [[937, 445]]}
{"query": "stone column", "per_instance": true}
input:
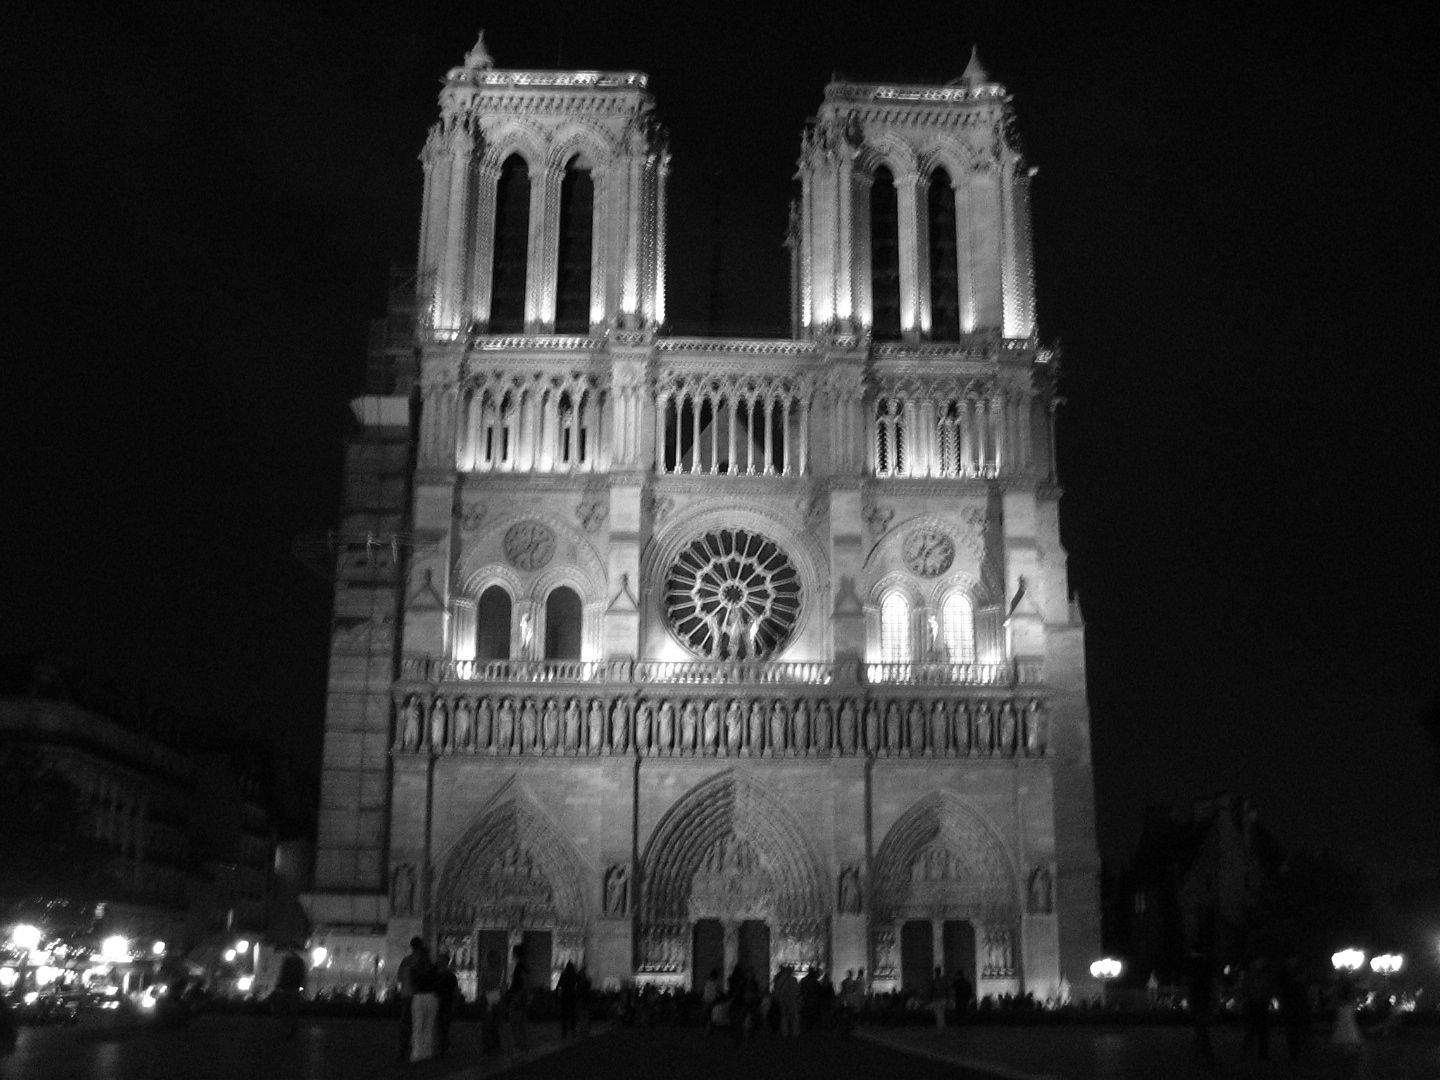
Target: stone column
{"points": [[907, 192]]}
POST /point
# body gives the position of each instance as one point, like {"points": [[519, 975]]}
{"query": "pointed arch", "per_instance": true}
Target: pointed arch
{"points": [[943, 858]]}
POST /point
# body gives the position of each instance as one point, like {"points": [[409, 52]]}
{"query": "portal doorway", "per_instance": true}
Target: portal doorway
{"points": [[491, 960], [917, 956], [754, 950], [707, 953], [536, 945], [959, 943]]}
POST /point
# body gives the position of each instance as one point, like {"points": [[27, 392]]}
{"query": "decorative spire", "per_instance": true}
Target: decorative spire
{"points": [[974, 75], [479, 58]]}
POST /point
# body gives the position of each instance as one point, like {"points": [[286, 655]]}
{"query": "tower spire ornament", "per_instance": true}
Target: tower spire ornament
{"points": [[974, 76], [479, 58]]}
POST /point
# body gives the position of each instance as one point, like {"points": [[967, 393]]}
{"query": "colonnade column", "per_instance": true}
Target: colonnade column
{"points": [[907, 199]]}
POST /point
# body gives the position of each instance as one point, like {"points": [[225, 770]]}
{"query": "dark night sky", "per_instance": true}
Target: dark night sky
{"points": [[1232, 222]]}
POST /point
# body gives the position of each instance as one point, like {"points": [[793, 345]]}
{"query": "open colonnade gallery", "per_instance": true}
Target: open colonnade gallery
{"points": [[660, 653]]}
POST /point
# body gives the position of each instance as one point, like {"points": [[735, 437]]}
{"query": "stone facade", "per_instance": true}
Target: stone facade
{"points": [[659, 653]]}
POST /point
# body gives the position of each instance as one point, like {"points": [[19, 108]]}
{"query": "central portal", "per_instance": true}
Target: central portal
{"points": [[754, 950]]}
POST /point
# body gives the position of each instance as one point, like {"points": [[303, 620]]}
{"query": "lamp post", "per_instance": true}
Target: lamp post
{"points": [[25, 939], [1106, 969]]}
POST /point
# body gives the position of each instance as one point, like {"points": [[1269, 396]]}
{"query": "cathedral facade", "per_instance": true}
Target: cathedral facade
{"points": [[659, 653]]}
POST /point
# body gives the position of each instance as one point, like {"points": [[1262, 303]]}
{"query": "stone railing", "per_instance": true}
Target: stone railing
{"points": [[735, 673], [649, 720]]}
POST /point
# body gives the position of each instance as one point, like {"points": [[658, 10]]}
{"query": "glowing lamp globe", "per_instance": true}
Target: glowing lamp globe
{"points": [[115, 949], [25, 937], [1387, 963], [1348, 960], [318, 955], [1106, 968]]}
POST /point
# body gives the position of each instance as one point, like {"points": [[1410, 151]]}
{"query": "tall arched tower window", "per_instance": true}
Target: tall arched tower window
{"points": [[894, 629], [944, 269], [577, 215], [884, 257], [512, 243], [563, 624], [957, 627], [492, 625]]}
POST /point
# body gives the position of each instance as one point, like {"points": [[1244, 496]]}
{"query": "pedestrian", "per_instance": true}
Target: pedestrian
{"points": [[964, 994], [1257, 987], [1201, 997], [405, 990], [289, 987], [787, 997], [709, 997], [447, 991], [939, 998], [518, 1002], [424, 1007], [568, 985], [1347, 1032], [583, 993]]}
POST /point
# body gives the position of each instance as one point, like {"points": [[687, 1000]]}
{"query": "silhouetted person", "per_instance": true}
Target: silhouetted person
{"points": [[405, 987], [289, 986], [568, 987], [518, 1002], [939, 997], [447, 990], [964, 993]]}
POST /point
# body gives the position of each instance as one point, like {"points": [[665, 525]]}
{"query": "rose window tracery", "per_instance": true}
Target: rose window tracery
{"points": [[733, 595]]}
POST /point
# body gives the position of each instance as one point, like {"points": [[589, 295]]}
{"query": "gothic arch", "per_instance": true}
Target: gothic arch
{"points": [[731, 824], [891, 151], [474, 583], [515, 137], [513, 868], [894, 537], [482, 556], [954, 156], [943, 859], [588, 141]]}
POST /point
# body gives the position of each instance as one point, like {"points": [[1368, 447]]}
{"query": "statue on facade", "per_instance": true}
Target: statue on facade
{"points": [[916, 723], [800, 729], [527, 634], [550, 727], [849, 891], [872, 727], [505, 736], [757, 727], [595, 735], [529, 726], [438, 722], [939, 741], [710, 727], [776, 744], [402, 889], [847, 726], [410, 724], [1007, 729], [892, 729], [1034, 730], [734, 727], [464, 725], [962, 729], [617, 890], [620, 725], [666, 727], [820, 742], [1042, 898], [572, 726], [689, 721], [483, 714], [644, 718], [984, 723]]}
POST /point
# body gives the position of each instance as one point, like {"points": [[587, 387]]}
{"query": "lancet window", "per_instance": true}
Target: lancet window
{"points": [[733, 429], [884, 257], [492, 625], [944, 267], [577, 213], [525, 426], [894, 629], [564, 624], [944, 436], [890, 449], [512, 242], [957, 628]]}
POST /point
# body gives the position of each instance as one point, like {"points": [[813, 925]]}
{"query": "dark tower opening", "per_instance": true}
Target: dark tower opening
{"points": [[944, 269], [884, 257], [512, 243], [577, 216]]}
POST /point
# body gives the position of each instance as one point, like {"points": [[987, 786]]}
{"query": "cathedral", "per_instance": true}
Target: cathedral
{"points": [[660, 654]]}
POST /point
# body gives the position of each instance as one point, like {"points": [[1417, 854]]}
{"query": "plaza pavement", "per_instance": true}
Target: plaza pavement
{"points": [[251, 1048]]}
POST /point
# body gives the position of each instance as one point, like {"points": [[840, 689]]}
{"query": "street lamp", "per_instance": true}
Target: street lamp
{"points": [[115, 949], [1350, 960], [1106, 969], [1387, 963], [25, 937]]}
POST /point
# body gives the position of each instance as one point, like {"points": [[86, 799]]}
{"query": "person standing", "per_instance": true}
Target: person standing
{"points": [[709, 998], [289, 987], [405, 989], [425, 1007], [787, 998], [964, 994], [583, 990], [518, 1002], [939, 998], [447, 990], [568, 985]]}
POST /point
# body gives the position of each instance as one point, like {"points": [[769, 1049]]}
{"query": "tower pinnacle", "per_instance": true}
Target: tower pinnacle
{"points": [[974, 75], [479, 58]]}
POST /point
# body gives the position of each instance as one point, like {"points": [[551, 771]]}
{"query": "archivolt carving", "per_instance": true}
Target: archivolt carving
{"points": [[587, 568], [587, 140], [943, 859], [513, 868], [730, 848], [512, 136]]}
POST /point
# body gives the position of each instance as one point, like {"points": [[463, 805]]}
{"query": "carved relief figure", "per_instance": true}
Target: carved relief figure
{"points": [[800, 729], [872, 728], [892, 729], [1034, 730], [617, 890], [483, 714], [850, 891], [620, 725], [505, 736], [939, 741], [984, 723], [410, 724], [667, 727], [595, 734], [847, 727], [438, 723], [689, 718], [757, 727], [710, 732], [529, 726], [962, 729], [734, 726], [644, 719], [917, 729], [1007, 729], [1041, 895], [550, 726], [402, 889], [572, 726], [776, 743], [464, 725]]}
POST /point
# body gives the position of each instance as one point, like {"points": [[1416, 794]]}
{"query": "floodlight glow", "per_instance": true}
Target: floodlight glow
{"points": [[158, 948], [1348, 960], [46, 974], [115, 949], [1107, 967], [25, 937], [242, 946], [8, 977], [244, 983], [229, 955], [1387, 963], [318, 955]]}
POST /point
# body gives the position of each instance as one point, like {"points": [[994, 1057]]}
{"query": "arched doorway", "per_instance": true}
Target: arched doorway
{"points": [[564, 624], [492, 625]]}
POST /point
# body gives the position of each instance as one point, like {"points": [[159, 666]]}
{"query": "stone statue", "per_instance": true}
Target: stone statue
{"points": [[620, 725], [505, 736], [847, 727], [1007, 729], [916, 723], [464, 725], [644, 717], [529, 726], [1034, 730], [850, 891], [550, 726], [734, 726], [1041, 897], [595, 734], [402, 889], [776, 745], [962, 729], [939, 721], [572, 726], [438, 723], [872, 727], [892, 729], [800, 729], [527, 634], [712, 725], [821, 742], [689, 721], [483, 713], [410, 724], [984, 724], [617, 890], [757, 727], [666, 734]]}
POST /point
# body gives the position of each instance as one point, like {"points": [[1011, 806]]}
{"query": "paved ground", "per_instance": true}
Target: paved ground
{"points": [[250, 1048]]}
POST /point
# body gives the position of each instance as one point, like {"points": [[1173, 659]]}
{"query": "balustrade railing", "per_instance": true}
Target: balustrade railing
{"points": [[735, 673]]}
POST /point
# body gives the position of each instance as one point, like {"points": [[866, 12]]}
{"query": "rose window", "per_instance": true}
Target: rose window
{"points": [[733, 595]]}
